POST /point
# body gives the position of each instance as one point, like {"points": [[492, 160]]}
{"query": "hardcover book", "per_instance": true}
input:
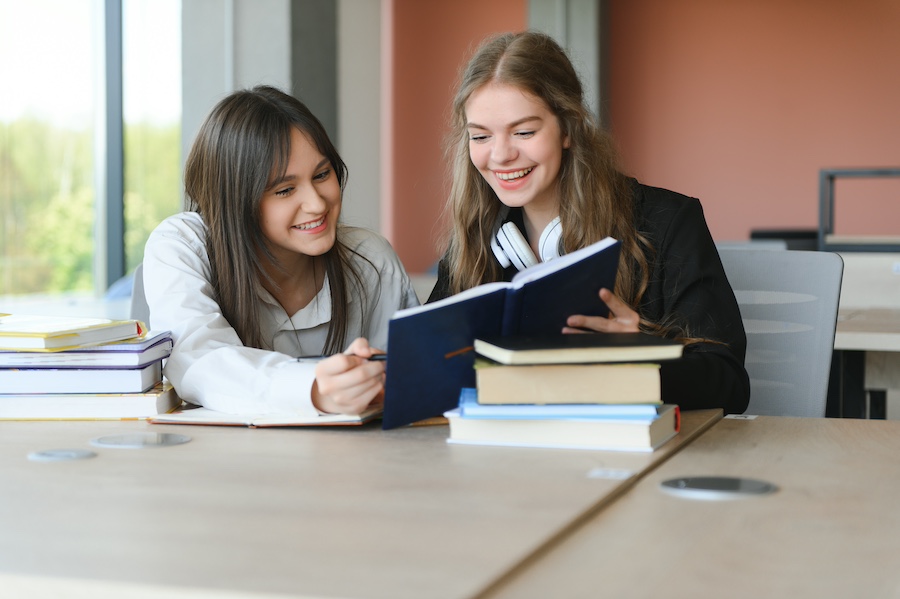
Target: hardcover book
{"points": [[599, 433], [80, 380], [633, 383], [56, 333], [430, 347], [89, 406], [578, 348], [471, 405], [128, 353]]}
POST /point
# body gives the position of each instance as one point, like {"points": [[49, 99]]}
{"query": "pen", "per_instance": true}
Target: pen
{"points": [[373, 358]]}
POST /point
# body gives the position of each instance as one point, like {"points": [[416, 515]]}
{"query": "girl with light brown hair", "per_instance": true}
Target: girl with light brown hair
{"points": [[534, 176]]}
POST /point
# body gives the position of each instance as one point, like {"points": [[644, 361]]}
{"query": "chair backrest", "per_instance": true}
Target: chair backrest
{"points": [[139, 308], [789, 305]]}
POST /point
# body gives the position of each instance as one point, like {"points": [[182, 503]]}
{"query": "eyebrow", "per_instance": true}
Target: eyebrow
{"points": [[512, 124]]}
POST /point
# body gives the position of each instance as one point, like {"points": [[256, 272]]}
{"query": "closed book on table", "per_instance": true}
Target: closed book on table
{"points": [[601, 433], [80, 380], [89, 406], [634, 383], [572, 348], [128, 353], [57, 333]]}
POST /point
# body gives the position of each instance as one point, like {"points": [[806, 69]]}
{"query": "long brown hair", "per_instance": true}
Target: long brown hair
{"points": [[595, 197], [243, 141]]}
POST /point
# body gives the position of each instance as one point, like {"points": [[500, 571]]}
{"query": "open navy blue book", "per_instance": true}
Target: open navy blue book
{"points": [[430, 347]]}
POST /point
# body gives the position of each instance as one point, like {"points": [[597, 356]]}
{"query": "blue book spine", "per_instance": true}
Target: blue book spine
{"points": [[470, 408]]}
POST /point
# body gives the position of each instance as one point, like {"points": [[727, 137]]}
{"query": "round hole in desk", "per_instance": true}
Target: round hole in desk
{"points": [[140, 440], [716, 488], [60, 455]]}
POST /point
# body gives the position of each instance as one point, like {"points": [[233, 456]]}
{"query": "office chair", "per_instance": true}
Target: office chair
{"points": [[789, 304], [139, 308]]}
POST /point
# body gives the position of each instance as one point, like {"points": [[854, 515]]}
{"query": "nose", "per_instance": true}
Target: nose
{"points": [[503, 149], [310, 200]]}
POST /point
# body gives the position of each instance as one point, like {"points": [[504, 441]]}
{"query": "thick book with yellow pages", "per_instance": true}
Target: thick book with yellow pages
{"points": [[631, 383], [57, 333]]}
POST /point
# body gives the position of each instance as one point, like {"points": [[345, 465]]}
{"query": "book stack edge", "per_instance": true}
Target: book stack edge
{"points": [[63, 368]]}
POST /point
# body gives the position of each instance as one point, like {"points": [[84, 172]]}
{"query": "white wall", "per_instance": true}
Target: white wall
{"points": [[229, 45], [359, 108], [234, 44]]}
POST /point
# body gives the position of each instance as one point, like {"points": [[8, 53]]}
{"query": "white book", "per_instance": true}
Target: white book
{"points": [[128, 353], [201, 415], [80, 380], [89, 406], [609, 434]]}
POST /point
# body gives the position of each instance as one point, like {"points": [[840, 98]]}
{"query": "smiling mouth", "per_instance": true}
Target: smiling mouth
{"points": [[514, 174], [310, 225]]}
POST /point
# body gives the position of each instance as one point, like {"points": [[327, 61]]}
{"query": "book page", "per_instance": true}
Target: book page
{"points": [[478, 291], [542, 269], [201, 415]]}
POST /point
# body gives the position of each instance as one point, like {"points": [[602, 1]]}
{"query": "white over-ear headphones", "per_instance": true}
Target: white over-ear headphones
{"points": [[511, 248]]}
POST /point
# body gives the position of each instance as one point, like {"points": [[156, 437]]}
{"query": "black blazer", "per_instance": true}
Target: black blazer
{"points": [[687, 288]]}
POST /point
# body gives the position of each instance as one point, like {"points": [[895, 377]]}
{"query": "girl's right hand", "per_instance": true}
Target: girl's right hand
{"points": [[348, 383]]}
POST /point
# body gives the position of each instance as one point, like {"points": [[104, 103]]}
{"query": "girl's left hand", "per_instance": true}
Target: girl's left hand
{"points": [[621, 319]]}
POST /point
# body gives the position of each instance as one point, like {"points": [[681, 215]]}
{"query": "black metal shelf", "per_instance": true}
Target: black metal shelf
{"points": [[826, 212]]}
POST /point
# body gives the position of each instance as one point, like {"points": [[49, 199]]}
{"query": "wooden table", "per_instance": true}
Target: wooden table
{"points": [[832, 529], [876, 333], [290, 512]]}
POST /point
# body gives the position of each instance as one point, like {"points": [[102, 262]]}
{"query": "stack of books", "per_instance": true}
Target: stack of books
{"points": [[65, 368], [591, 391]]}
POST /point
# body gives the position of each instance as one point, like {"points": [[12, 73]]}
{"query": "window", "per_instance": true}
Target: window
{"points": [[47, 188], [52, 156], [152, 111]]}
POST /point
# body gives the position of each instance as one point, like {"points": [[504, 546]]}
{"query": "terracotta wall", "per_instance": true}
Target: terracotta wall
{"points": [[737, 102], [426, 42], [742, 102]]}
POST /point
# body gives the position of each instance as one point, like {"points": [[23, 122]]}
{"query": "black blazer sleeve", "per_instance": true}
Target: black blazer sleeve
{"points": [[688, 288], [442, 285]]}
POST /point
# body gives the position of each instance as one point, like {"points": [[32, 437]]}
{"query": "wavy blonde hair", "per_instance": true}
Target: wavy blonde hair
{"points": [[595, 197]]}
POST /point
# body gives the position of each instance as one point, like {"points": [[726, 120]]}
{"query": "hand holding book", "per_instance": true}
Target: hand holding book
{"points": [[621, 318]]}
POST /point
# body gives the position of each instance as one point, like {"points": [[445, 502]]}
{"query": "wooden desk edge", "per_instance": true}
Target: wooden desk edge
{"points": [[684, 438]]}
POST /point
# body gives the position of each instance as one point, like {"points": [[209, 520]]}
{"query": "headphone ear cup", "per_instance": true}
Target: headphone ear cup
{"points": [[515, 246], [499, 254], [548, 245]]}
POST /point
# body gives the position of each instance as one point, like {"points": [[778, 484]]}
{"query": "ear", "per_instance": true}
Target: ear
{"points": [[566, 142]]}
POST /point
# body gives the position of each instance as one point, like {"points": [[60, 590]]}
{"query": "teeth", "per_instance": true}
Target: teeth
{"points": [[514, 175], [310, 225]]}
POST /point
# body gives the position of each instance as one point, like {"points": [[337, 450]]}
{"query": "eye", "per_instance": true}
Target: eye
{"points": [[525, 134], [322, 175], [284, 191], [478, 138]]}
